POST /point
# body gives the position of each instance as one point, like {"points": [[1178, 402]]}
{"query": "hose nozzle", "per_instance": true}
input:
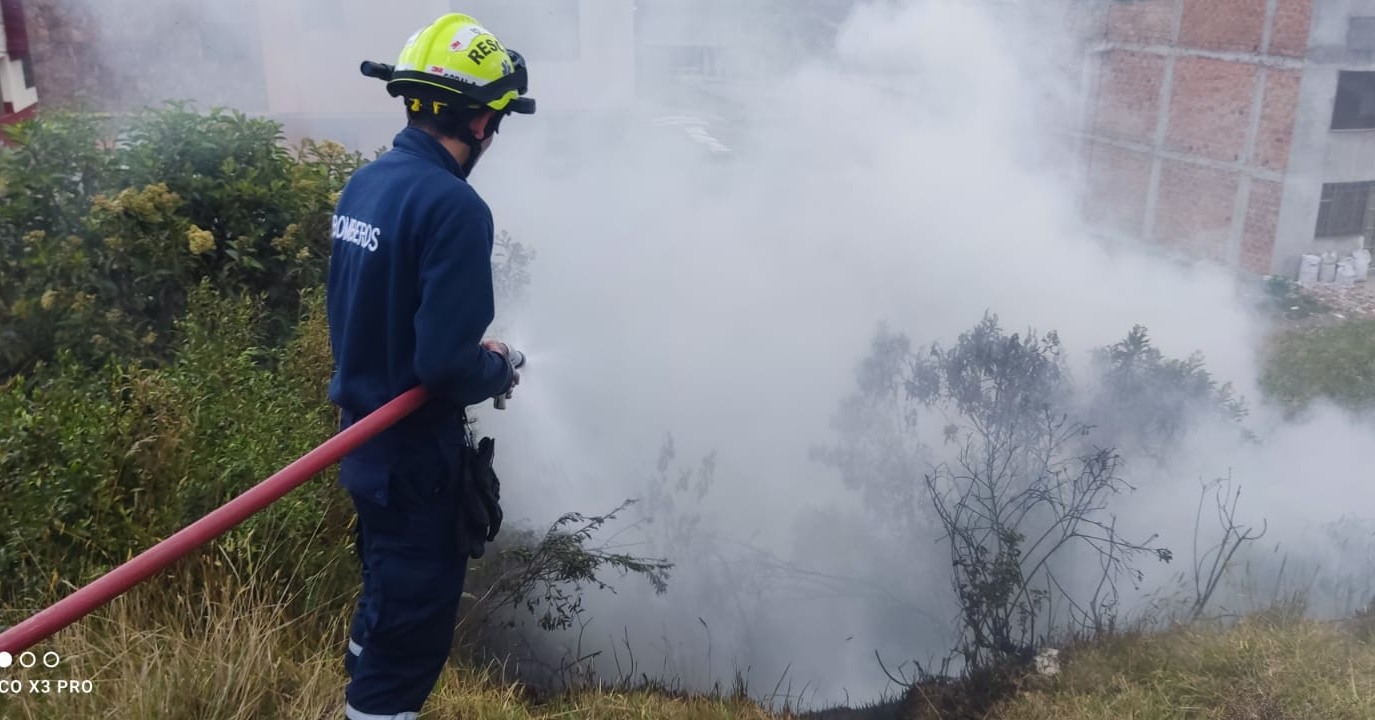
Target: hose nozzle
{"points": [[517, 360]]}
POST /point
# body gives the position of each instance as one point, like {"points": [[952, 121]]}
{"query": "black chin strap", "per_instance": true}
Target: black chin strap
{"points": [[474, 150], [475, 145]]}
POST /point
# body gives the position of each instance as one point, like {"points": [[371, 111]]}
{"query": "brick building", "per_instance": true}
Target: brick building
{"points": [[1242, 131], [18, 96]]}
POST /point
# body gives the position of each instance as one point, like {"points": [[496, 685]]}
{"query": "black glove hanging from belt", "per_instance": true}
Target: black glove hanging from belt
{"points": [[481, 497]]}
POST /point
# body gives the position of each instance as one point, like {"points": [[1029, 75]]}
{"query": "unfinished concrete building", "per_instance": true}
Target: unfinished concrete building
{"points": [[1242, 131]]}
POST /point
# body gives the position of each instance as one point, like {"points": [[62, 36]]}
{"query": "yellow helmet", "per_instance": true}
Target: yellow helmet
{"points": [[456, 60]]}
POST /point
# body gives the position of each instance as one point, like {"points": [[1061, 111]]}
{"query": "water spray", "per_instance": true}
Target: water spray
{"points": [[517, 360]]}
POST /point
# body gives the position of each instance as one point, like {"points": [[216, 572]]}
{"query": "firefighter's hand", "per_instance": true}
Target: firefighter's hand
{"points": [[503, 350]]}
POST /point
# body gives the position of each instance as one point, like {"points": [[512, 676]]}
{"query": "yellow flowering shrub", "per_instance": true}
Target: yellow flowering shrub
{"points": [[107, 223]]}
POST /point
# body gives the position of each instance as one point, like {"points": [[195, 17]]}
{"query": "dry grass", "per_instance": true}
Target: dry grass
{"points": [[232, 653], [236, 653], [1265, 668]]}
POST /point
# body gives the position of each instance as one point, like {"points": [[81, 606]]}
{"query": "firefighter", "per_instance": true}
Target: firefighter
{"points": [[410, 299]]}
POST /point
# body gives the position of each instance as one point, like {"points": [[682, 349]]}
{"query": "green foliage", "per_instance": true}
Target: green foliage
{"points": [[164, 347], [546, 577], [49, 173], [106, 224], [1003, 384], [96, 465], [1334, 361], [1146, 403]]}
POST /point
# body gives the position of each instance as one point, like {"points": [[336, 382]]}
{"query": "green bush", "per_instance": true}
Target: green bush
{"points": [[105, 223], [164, 347], [1144, 403], [143, 388], [98, 465]]}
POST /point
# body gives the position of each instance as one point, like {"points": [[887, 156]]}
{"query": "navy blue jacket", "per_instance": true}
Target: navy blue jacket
{"points": [[409, 294]]}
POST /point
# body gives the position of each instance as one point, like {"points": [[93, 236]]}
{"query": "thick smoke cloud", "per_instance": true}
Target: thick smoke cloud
{"points": [[913, 170], [914, 174]]}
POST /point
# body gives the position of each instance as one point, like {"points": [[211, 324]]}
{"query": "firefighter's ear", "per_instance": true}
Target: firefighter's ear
{"points": [[483, 125]]}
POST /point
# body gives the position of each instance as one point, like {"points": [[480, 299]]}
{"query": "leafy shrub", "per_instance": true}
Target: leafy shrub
{"points": [[164, 347], [96, 465], [1144, 403], [105, 224], [546, 576], [52, 168]]}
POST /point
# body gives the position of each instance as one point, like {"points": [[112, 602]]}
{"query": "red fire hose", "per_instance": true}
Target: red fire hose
{"points": [[75, 606]]}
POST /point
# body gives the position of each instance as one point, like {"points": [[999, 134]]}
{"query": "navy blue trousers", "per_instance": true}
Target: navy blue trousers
{"points": [[414, 560]]}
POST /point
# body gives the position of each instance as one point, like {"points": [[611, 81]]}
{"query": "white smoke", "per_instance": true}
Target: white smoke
{"points": [[916, 175], [916, 171]]}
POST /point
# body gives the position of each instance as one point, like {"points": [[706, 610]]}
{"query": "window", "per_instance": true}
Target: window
{"points": [[1355, 107], [549, 30], [1346, 209]]}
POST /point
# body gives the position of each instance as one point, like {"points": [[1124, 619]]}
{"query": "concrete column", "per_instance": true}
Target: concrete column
{"points": [[1162, 126]]}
